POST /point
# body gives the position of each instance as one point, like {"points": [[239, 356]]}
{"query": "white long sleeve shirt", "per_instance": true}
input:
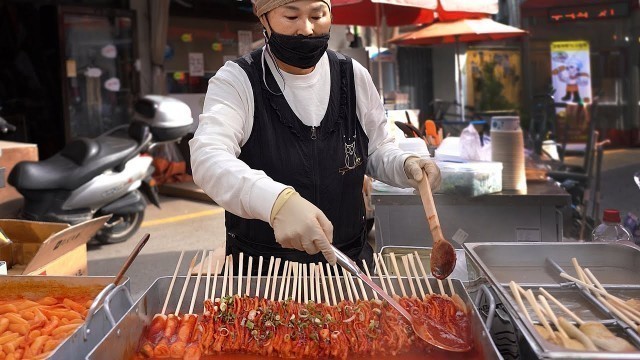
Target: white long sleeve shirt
{"points": [[227, 120]]}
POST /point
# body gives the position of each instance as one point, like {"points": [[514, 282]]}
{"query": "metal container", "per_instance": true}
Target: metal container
{"points": [[535, 265], [122, 342], [527, 264], [96, 325]]}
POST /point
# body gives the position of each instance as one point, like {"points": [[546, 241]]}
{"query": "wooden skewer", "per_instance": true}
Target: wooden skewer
{"points": [[333, 291], [362, 289], [553, 317], [405, 262], [337, 277], [441, 287], [225, 277], [197, 285], [267, 283], [386, 273], [292, 265], [215, 280], [276, 269], [589, 286], [578, 269], [416, 275], [453, 292], [624, 313], [324, 285], [424, 273], [294, 283], [312, 277], [524, 293], [352, 282], [206, 288], [619, 303], [318, 283], [366, 271], [259, 276], [300, 279], [173, 281], [397, 270], [516, 294], [561, 306], [536, 309], [249, 273], [378, 269], [305, 285], [231, 274], [186, 283], [285, 273], [347, 285], [240, 268]]}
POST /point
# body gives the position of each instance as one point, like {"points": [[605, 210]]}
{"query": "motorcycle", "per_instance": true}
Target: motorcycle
{"points": [[5, 126], [92, 177]]}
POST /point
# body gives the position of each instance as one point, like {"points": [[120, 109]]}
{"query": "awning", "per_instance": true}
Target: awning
{"points": [[543, 4]]}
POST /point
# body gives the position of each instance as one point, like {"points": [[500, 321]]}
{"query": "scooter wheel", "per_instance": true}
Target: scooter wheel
{"points": [[120, 228]]}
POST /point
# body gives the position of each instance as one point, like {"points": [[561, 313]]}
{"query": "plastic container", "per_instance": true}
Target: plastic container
{"points": [[611, 230], [471, 178]]}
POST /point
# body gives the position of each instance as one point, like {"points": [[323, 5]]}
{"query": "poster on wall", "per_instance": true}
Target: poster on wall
{"points": [[245, 40], [571, 72], [196, 64]]}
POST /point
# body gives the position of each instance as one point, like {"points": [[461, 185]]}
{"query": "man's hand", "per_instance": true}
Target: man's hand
{"points": [[415, 168], [300, 225]]}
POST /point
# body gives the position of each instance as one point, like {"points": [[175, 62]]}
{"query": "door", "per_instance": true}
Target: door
{"points": [[98, 68]]}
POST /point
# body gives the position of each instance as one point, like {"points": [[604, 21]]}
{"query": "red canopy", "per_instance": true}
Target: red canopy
{"points": [[464, 31], [370, 12], [407, 12], [449, 10]]}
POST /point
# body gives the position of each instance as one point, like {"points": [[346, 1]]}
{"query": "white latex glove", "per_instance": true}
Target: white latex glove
{"points": [[415, 168], [302, 226]]}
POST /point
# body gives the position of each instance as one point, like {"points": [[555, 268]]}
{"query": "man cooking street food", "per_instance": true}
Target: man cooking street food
{"points": [[286, 136]]}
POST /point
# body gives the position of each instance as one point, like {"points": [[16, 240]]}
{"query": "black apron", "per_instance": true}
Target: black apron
{"points": [[325, 164]]}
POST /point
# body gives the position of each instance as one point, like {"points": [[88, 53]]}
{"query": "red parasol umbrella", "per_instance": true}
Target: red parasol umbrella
{"points": [[379, 12], [372, 12], [454, 32]]}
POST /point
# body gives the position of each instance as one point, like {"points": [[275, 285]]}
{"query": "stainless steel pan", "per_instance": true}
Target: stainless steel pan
{"points": [[122, 341], [528, 264], [96, 325]]}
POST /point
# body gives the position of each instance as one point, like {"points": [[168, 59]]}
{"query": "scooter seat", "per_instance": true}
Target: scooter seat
{"points": [[79, 161]]}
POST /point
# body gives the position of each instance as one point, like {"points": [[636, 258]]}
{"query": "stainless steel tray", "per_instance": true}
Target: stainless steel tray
{"points": [[526, 264], [122, 342], [615, 265], [96, 325]]}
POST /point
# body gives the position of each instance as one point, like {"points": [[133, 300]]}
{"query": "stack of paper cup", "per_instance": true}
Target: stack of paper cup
{"points": [[507, 147]]}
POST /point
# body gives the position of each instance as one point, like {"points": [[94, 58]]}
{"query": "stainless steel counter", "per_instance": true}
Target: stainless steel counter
{"points": [[531, 215]]}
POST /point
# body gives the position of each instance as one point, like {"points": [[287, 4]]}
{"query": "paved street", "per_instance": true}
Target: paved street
{"points": [[192, 225], [179, 225]]}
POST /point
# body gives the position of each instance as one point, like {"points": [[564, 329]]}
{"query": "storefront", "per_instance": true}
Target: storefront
{"points": [[608, 33], [67, 69]]}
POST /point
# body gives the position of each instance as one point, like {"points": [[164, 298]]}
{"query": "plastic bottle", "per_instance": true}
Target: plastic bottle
{"points": [[611, 230]]}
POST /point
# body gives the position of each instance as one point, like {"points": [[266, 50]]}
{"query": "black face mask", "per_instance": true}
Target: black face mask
{"points": [[300, 51]]}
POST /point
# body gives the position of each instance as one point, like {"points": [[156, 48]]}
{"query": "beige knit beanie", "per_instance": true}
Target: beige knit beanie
{"points": [[261, 7]]}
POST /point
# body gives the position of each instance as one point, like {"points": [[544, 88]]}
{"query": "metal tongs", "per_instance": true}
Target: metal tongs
{"points": [[419, 328]]}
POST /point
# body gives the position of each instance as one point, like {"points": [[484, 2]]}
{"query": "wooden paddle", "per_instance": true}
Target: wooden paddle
{"points": [[443, 255]]}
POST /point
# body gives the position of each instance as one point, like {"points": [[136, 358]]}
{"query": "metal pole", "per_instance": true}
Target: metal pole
{"points": [[380, 19], [459, 78]]}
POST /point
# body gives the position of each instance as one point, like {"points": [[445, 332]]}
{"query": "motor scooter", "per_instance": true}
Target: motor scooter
{"points": [[92, 177]]}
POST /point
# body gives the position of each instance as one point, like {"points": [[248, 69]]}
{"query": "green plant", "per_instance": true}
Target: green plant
{"points": [[491, 97]]}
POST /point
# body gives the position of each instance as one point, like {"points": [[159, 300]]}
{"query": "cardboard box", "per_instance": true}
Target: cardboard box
{"points": [[12, 153], [44, 248]]}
